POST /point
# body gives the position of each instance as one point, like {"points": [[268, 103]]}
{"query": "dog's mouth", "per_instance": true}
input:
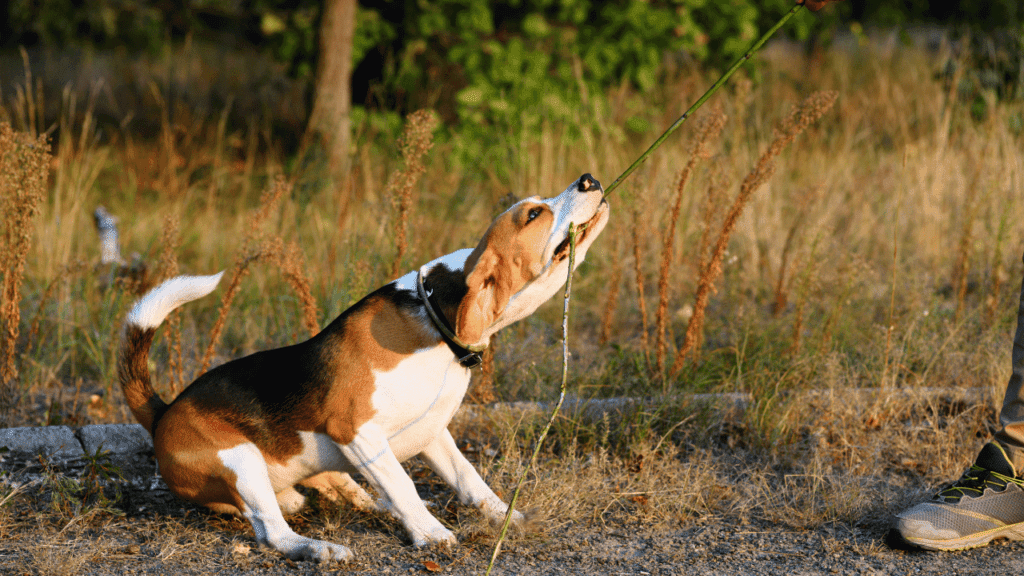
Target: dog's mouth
{"points": [[562, 250]]}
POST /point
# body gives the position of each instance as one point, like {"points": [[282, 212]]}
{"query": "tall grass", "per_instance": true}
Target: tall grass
{"points": [[23, 170], [783, 286], [808, 302], [798, 121]]}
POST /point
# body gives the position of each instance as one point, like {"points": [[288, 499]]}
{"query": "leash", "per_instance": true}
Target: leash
{"points": [[814, 5], [469, 356]]}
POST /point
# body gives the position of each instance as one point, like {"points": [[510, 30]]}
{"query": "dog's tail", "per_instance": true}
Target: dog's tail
{"points": [[140, 327]]}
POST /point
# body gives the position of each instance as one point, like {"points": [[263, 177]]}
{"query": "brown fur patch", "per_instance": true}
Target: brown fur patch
{"points": [[376, 339], [508, 257], [186, 444], [133, 373]]}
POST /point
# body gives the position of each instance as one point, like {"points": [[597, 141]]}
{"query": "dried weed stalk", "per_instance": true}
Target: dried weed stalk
{"points": [[169, 242], [251, 251], [708, 131], [807, 281], [416, 141], [573, 231], [166, 268], [804, 203], [710, 214], [289, 259], [24, 169], [802, 116]]}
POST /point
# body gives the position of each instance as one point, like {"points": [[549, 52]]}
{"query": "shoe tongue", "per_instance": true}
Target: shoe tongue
{"points": [[993, 457]]}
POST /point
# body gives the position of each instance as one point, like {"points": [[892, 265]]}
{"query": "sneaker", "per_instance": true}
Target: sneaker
{"points": [[986, 503]]}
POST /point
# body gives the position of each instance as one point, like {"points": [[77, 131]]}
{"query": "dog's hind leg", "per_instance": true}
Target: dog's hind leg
{"points": [[333, 485], [370, 453], [255, 497], [445, 459], [290, 501]]}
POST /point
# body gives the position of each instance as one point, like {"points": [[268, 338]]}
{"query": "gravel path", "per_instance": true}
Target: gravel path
{"points": [[152, 532], [160, 534]]}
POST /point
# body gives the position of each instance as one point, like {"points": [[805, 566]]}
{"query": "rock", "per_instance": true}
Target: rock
{"points": [[128, 446], [115, 438], [57, 442]]}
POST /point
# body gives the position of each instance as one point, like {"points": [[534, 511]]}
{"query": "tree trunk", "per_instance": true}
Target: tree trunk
{"points": [[329, 124]]}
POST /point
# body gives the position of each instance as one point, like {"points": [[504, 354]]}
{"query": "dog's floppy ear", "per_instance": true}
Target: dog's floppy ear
{"points": [[488, 294]]}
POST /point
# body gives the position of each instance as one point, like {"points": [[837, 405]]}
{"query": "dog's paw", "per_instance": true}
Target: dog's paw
{"points": [[336, 485], [301, 548], [495, 510], [290, 501], [530, 520], [522, 522], [439, 536]]}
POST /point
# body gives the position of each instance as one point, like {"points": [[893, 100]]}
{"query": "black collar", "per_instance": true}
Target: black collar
{"points": [[469, 356]]}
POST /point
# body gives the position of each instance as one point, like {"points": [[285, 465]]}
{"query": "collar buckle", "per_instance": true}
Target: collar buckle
{"points": [[471, 360]]}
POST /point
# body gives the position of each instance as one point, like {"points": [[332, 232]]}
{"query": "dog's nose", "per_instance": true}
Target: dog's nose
{"points": [[588, 183]]}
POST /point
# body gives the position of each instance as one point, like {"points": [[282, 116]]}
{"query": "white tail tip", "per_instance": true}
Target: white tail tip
{"points": [[153, 308]]}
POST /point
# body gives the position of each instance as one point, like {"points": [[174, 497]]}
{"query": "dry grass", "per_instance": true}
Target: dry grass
{"points": [[785, 289], [707, 133], [416, 141], [24, 164], [810, 110]]}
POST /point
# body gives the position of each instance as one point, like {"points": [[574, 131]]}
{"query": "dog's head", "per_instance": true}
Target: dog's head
{"points": [[523, 259]]}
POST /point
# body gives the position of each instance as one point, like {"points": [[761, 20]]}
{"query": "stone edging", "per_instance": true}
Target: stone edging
{"points": [[66, 443]]}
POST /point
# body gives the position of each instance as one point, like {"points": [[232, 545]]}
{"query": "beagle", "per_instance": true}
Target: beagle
{"points": [[377, 386]]}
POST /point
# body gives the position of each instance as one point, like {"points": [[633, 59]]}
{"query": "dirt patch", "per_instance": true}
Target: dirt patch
{"points": [[66, 519]]}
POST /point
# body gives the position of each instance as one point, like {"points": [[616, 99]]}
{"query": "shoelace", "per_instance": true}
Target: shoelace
{"points": [[973, 484]]}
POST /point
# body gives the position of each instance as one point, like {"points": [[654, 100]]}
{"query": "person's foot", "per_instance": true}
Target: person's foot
{"points": [[985, 504]]}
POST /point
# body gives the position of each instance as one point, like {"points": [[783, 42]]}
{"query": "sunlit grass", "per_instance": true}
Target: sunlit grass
{"points": [[810, 295]]}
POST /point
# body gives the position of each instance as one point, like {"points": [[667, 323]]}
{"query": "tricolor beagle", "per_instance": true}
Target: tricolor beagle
{"points": [[374, 388]]}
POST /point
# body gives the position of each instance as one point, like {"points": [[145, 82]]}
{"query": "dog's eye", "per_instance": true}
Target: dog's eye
{"points": [[533, 213]]}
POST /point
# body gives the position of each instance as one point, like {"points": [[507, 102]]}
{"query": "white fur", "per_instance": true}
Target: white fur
{"points": [[454, 261], [153, 308], [416, 399], [371, 453], [264, 512]]}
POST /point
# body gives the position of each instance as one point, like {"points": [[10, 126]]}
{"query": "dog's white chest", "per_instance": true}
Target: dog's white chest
{"points": [[416, 399]]}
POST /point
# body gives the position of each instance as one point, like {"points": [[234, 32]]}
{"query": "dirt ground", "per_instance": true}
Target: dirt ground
{"points": [[147, 530]]}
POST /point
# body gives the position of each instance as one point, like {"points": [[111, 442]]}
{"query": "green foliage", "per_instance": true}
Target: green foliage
{"points": [[291, 34], [60, 22], [72, 497]]}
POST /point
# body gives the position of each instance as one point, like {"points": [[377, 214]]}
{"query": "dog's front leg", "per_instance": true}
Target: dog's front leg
{"points": [[254, 497], [371, 454], [445, 459]]}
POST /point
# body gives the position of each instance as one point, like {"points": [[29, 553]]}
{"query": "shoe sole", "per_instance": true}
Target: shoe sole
{"points": [[976, 540]]}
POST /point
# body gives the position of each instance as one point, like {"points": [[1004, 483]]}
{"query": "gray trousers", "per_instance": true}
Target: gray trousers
{"points": [[1011, 418]]}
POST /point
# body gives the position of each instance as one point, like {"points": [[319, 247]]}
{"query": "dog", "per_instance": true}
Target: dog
{"points": [[376, 387]]}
